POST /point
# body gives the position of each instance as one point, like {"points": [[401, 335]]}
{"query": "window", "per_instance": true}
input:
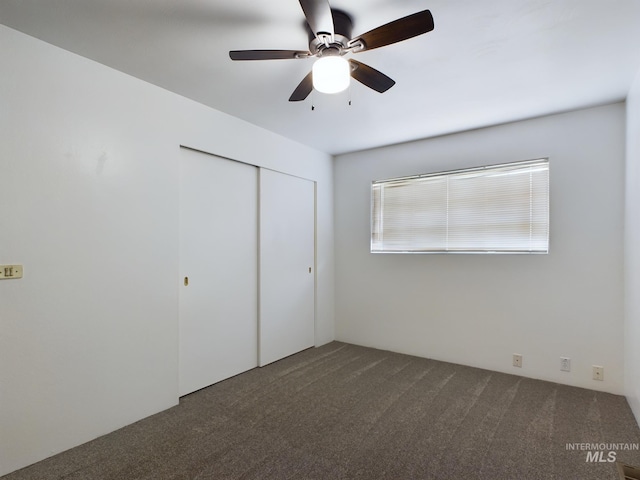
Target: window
{"points": [[492, 209]]}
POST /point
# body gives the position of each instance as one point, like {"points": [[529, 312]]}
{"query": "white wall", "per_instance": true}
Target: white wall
{"points": [[479, 309], [632, 252], [89, 205]]}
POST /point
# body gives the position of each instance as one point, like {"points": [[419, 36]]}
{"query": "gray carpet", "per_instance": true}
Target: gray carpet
{"points": [[348, 412]]}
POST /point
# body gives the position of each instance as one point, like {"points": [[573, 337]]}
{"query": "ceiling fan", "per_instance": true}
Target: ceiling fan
{"points": [[330, 39]]}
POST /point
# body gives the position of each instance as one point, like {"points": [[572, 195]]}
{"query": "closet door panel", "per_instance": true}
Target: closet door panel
{"points": [[287, 265], [218, 268]]}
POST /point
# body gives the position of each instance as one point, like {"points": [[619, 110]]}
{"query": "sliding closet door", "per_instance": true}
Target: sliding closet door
{"points": [[287, 259], [218, 265]]}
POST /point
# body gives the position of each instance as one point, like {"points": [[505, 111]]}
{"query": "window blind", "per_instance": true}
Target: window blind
{"points": [[492, 209]]}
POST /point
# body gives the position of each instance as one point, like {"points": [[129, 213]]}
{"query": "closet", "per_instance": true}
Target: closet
{"points": [[247, 267]]}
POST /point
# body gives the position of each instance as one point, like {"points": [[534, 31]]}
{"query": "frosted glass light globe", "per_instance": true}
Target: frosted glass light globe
{"points": [[331, 74]]}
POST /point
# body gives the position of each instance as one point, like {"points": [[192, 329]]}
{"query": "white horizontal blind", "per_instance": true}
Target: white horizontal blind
{"points": [[501, 208]]}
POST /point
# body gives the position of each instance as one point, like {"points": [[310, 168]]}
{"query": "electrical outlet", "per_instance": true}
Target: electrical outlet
{"points": [[598, 372], [517, 360], [565, 364]]}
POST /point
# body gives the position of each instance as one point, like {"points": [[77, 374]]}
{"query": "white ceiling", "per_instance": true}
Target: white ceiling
{"points": [[486, 62]]}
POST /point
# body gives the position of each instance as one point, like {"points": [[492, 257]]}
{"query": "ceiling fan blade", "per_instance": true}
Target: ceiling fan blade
{"points": [[267, 54], [370, 77], [396, 31], [303, 90], [319, 17]]}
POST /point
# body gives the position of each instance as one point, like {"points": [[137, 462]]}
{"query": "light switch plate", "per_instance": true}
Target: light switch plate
{"points": [[8, 272]]}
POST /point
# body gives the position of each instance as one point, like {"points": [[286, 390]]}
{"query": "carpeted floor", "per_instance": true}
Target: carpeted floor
{"points": [[348, 412]]}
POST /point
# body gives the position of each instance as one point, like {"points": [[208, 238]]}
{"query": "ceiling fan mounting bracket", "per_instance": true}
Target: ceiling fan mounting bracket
{"points": [[356, 46], [324, 38]]}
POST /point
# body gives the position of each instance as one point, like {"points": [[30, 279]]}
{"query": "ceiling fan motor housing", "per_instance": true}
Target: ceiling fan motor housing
{"points": [[343, 26]]}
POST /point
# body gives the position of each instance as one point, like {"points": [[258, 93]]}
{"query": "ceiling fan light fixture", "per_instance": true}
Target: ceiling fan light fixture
{"points": [[331, 74], [329, 33]]}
